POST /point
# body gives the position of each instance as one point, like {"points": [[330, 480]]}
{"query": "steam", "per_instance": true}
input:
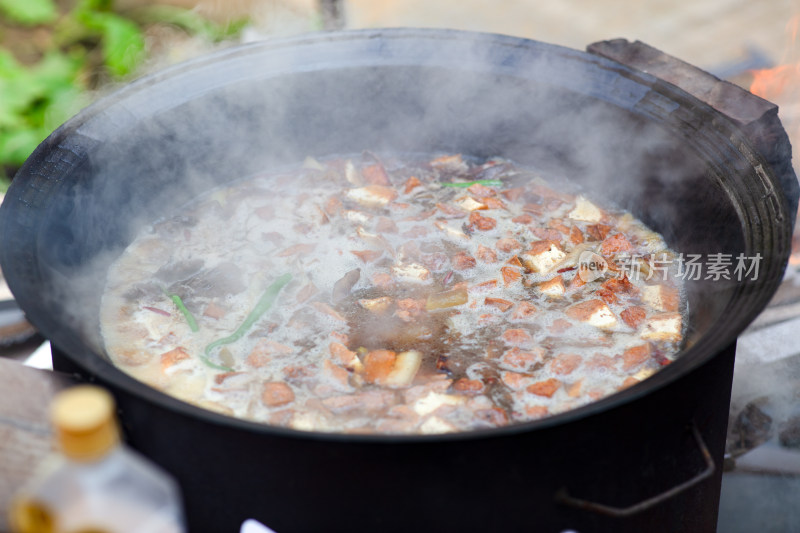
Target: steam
{"points": [[162, 141]]}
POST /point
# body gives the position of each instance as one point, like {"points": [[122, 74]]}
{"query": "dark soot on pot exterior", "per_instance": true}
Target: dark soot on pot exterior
{"points": [[623, 136]]}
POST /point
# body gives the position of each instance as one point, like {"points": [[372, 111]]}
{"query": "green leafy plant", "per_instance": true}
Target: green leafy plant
{"points": [[86, 46], [29, 12]]}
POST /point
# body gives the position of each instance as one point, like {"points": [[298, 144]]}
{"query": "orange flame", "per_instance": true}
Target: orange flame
{"points": [[781, 85], [776, 83]]}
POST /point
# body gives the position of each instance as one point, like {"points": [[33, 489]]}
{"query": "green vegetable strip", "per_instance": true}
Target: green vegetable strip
{"points": [[495, 183], [208, 362], [266, 301], [186, 313]]}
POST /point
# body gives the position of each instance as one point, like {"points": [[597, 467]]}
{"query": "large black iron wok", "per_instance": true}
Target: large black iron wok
{"points": [[646, 459]]}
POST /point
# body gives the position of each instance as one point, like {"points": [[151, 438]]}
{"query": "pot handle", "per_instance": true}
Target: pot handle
{"points": [[757, 118], [563, 497]]}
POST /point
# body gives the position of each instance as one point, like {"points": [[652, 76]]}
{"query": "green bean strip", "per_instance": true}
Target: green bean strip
{"points": [[211, 364], [186, 313], [495, 183], [266, 301], [194, 327], [208, 362]]}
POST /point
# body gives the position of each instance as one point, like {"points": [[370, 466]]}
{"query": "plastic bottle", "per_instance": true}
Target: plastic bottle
{"points": [[95, 484]]}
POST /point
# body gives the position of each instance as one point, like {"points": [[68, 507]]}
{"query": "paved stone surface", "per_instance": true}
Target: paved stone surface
{"points": [[707, 33]]}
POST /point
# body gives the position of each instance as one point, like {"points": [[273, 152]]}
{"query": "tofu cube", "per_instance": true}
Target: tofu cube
{"points": [[585, 211], [376, 305], [435, 425], [661, 297], [663, 327], [372, 195], [553, 288], [467, 203], [357, 217], [434, 400], [412, 272], [405, 369], [450, 231], [593, 312], [542, 256]]}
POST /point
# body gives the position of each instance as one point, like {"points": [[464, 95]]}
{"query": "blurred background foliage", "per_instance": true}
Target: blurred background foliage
{"points": [[55, 54]]}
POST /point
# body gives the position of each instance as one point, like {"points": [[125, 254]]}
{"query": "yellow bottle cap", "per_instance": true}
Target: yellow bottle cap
{"points": [[30, 516], [84, 421]]}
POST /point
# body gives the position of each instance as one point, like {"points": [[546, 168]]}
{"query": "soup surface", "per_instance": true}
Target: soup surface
{"points": [[388, 295]]}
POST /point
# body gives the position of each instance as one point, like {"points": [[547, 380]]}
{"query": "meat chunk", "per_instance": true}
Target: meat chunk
{"points": [[575, 235], [510, 275], [383, 280], [411, 184], [481, 191], [615, 244], [482, 223], [451, 163], [276, 393], [523, 311], [375, 175], [409, 309], [494, 416], [468, 386], [462, 261], [378, 364], [367, 256], [486, 255], [508, 244], [545, 388], [499, 303], [517, 336], [172, 357], [635, 356], [517, 359], [336, 375], [598, 232], [565, 363], [547, 234], [514, 380], [345, 357], [264, 351], [633, 316], [537, 411]]}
